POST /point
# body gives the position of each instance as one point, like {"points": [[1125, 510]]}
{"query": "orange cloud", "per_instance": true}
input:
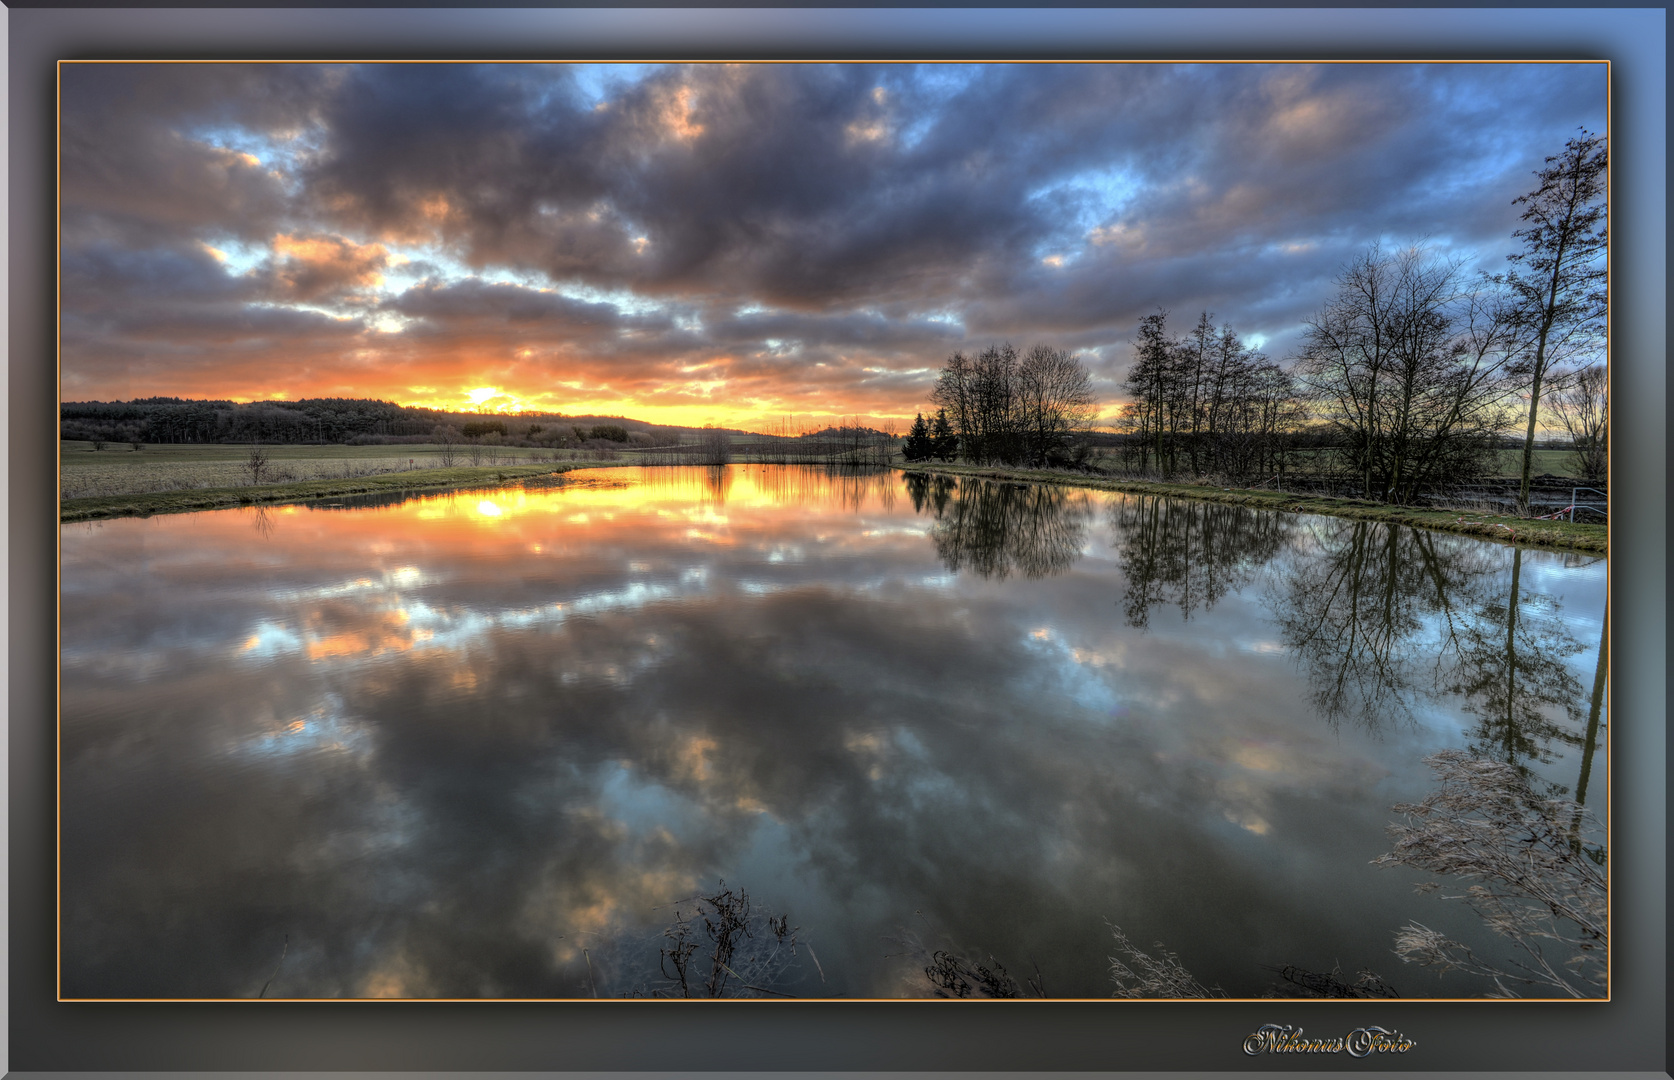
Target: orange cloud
{"points": [[311, 267]]}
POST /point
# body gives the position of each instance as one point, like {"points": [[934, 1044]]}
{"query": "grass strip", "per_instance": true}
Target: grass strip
{"points": [[183, 502], [1564, 535]]}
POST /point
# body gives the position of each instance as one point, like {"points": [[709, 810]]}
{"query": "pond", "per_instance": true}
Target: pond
{"points": [[498, 743]]}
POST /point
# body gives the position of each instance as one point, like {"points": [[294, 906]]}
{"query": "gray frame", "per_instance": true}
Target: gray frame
{"points": [[1628, 1033]]}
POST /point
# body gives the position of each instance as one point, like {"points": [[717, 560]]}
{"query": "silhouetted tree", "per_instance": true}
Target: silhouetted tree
{"points": [[714, 446], [1054, 402], [1206, 402], [944, 443], [918, 445], [1010, 409], [1560, 277], [1409, 367]]}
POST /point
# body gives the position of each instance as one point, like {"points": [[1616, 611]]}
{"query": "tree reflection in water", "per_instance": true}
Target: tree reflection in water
{"points": [[1189, 554], [1385, 616], [1355, 611], [1381, 617], [997, 529], [1512, 673]]}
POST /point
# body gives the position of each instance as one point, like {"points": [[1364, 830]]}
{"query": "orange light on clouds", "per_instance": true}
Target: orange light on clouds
{"points": [[747, 416]]}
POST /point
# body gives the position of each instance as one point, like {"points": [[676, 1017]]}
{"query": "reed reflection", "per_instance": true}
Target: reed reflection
{"points": [[998, 529]]}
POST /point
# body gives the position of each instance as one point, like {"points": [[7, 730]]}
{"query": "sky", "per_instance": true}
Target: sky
{"points": [[739, 244]]}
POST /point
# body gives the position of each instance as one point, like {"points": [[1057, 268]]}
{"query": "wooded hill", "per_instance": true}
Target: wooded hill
{"points": [[334, 420]]}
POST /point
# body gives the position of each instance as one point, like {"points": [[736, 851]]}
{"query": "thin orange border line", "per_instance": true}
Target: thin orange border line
{"points": [[58, 687]]}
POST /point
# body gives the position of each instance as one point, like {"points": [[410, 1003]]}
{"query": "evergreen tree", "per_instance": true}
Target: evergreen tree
{"points": [[944, 443], [918, 445]]}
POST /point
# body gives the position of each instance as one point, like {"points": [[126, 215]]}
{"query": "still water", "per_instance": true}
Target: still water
{"points": [[492, 743]]}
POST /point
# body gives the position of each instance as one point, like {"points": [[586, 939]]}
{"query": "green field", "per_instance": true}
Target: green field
{"points": [[119, 470]]}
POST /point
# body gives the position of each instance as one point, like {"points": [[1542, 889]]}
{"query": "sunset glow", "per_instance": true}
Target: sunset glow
{"points": [[743, 244]]}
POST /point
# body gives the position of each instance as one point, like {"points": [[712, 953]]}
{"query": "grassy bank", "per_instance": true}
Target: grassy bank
{"points": [[144, 504], [118, 470], [1553, 534]]}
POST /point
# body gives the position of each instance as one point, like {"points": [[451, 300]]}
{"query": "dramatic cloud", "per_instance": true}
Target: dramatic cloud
{"points": [[809, 238]]}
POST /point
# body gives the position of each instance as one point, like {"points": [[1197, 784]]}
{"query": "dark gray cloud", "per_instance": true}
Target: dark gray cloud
{"points": [[858, 216]]}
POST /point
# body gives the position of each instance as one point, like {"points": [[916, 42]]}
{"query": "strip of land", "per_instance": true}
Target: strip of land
{"points": [[145, 504], [1564, 535]]}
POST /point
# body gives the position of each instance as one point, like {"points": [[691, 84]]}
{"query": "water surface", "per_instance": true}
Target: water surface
{"points": [[441, 747]]}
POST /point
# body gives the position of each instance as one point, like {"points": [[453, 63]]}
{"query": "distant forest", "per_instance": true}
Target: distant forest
{"points": [[356, 421]]}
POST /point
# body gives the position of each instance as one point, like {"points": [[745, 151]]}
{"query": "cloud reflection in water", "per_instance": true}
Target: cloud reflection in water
{"points": [[443, 759]]}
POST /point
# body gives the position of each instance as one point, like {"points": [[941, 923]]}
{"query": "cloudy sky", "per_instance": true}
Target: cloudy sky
{"points": [[736, 243]]}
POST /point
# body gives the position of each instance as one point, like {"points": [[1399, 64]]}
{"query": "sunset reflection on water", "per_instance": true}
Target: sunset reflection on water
{"points": [[441, 746]]}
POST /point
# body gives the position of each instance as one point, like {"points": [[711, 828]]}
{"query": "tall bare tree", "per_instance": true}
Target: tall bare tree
{"points": [[1055, 401], [1560, 277]]}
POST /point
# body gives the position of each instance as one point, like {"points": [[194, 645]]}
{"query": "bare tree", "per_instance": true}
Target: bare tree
{"points": [[256, 464], [1583, 408], [1560, 277], [1408, 365], [445, 437], [1207, 398], [714, 446], [1011, 409], [1054, 402]]}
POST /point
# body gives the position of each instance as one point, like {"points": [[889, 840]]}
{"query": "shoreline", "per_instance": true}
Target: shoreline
{"points": [[151, 503], [1561, 535]]}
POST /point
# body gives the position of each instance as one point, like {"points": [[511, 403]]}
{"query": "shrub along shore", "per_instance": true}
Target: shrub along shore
{"points": [[1569, 536]]}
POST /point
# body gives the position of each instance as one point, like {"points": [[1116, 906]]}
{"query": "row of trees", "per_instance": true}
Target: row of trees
{"points": [[1417, 370], [330, 420], [1411, 376], [1206, 402], [1420, 369]]}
